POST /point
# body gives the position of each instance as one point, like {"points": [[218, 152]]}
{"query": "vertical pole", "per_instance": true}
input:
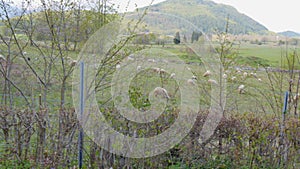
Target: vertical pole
{"points": [[282, 127], [284, 110], [81, 100], [40, 100]]}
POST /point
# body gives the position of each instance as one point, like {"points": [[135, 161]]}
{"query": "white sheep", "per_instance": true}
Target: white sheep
{"points": [[241, 89], [191, 82], [194, 77], [151, 60], [158, 70], [118, 66], [253, 74], [296, 97], [207, 73], [162, 71], [233, 78], [211, 81], [245, 74], [162, 92], [138, 68], [225, 76], [172, 76], [73, 63]]}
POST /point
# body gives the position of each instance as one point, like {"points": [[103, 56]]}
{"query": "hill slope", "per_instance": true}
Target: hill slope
{"points": [[209, 16], [290, 34]]}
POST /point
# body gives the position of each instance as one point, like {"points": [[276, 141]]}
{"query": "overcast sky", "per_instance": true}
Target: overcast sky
{"points": [[276, 15]]}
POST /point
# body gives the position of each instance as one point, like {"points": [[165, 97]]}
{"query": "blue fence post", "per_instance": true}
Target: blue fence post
{"points": [[282, 146], [284, 111], [81, 100]]}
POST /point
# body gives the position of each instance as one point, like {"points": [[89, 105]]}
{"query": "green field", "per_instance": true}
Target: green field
{"points": [[251, 114], [273, 54]]}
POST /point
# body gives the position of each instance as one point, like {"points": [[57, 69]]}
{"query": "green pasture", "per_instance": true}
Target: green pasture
{"points": [[262, 93], [257, 91], [272, 55], [248, 54]]}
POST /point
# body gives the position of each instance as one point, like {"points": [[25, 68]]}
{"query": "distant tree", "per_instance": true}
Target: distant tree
{"points": [[177, 38], [195, 36], [281, 42]]}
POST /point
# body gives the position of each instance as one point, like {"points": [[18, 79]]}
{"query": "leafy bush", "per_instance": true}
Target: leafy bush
{"points": [[240, 141]]}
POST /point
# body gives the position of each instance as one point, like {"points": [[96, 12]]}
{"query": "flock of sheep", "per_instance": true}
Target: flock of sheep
{"points": [[193, 80], [162, 92], [159, 91]]}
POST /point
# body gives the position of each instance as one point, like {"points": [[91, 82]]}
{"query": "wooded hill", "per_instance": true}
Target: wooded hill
{"points": [[290, 34], [207, 15]]}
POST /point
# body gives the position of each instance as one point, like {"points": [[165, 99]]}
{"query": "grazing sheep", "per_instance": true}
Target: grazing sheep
{"points": [[118, 66], [73, 63], [211, 81], [294, 99], [207, 73], [259, 79], [194, 77], [172, 75], [162, 92], [225, 76], [245, 74], [151, 60], [162, 71], [241, 89], [191, 82], [253, 74], [233, 78], [158, 70], [138, 68]]}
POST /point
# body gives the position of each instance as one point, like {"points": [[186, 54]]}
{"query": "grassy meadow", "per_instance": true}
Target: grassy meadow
{"points": [[39, 124], [261, 97]]}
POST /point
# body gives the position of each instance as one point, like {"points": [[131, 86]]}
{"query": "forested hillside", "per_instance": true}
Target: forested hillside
{"points": [[208, 15]]}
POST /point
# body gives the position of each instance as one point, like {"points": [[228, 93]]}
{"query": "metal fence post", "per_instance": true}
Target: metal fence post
{"points": [[81, 100], [282, 146]]}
